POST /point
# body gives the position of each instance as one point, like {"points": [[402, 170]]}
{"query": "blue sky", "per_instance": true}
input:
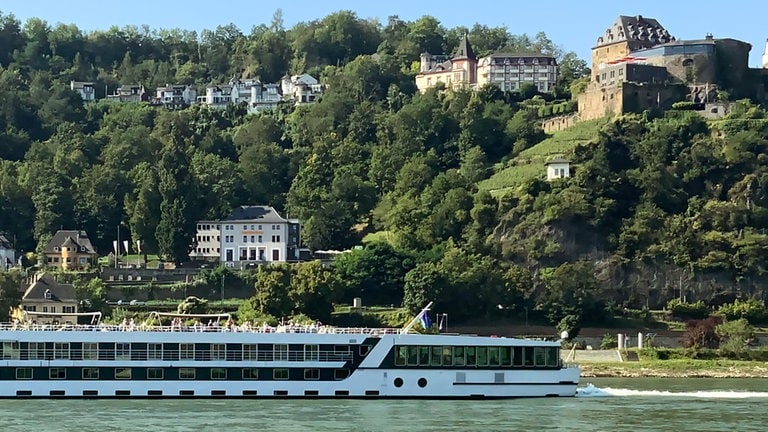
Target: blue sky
{"points": [[574, 25]]}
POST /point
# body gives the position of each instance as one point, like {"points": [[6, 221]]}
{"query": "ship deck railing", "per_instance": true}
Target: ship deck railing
{"points": [[201, 329]]}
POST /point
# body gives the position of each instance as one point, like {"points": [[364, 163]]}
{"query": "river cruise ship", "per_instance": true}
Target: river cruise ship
{"points": [[227, 361]]}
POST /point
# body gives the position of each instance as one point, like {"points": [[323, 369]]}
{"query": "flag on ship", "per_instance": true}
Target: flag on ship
{"points": [[425, 321]]}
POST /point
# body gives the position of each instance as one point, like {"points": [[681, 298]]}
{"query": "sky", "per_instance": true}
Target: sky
{"points": [[573, 25]]}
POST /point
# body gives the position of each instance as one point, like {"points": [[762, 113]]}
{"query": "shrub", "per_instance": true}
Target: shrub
{"points": [[570, 324], [690, 311], [736, 335], [752, 310], [702, 333], [609, 341]]}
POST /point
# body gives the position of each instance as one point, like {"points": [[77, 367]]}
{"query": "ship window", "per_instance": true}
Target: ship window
{"points": [[437, 355], [505, 354], [155, 373], [493, 356], [122, 351], [364, 350], [11, 350], [471, 356], [90, 351], [106, 351], [311, 352], [340, 374], [250, 351], [517, 356], [123, 373], [60, 350], [458, 356], [413, 355], [311, 374], [482, 356], [250, 373], [447, 356], [280, 374], [57, 373], [342, 350], [90, 373], [539, 357], [280, 352], [424, 356], [553, 357], [218, 352], [218, 373], [527, 356], [23, 373], [36, 351], [187, 373], [154, 351], [401, 352], [186, 351]]}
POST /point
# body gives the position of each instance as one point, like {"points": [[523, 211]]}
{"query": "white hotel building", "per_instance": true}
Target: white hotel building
{"points": [[249, 235]]}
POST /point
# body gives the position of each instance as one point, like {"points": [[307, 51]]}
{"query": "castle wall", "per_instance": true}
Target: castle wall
{"points": [[559, 123], [598, 102]]}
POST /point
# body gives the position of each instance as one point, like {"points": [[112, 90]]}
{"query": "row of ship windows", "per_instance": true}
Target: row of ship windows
{"points": [[448, 356], [126, 373], [12, 350]]}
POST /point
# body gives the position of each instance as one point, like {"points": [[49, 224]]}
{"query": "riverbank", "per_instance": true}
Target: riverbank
{"points": [[676, 369]]}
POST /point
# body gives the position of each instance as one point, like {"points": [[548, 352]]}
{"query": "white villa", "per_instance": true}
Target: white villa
{"points": [[257, 95], [176, 95], [302, 88], [249, 235]]}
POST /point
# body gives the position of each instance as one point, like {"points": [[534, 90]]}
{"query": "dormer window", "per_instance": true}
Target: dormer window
{"points": [[48, 294], [55, 248], [82, 248]]}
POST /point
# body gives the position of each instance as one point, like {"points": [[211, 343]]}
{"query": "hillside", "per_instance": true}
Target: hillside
{"points": [[530, 162]]}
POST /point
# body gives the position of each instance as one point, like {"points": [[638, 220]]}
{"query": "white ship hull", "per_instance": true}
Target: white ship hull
{"points": [[362, 384]]}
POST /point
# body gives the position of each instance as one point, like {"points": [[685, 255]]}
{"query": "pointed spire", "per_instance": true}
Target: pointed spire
{"points": [[464, 51]]}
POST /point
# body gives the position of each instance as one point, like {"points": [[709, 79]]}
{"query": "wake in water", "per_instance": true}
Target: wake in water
{"points": [[592, 391]]}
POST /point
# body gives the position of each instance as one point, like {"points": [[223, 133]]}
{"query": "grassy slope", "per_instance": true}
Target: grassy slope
{"points": [[530, 163]]}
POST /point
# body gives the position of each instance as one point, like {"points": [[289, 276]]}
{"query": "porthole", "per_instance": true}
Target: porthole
{"points": [[399, 382], [422, 382]]}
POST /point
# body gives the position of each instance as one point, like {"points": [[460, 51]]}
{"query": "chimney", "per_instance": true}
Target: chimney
{"points": [[709, 36]]}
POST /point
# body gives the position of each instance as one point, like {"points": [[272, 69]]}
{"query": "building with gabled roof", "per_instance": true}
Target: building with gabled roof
{"points": [[507, 71], [628, 34], [250, 235], [50, 297], [70, 249]]}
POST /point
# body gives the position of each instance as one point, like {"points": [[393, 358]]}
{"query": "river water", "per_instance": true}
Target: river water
{"points": [[645, 404]]}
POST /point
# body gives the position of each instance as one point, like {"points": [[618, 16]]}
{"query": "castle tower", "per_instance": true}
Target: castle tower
{"points": [[425, 62], [465, 60], [765, 55]]}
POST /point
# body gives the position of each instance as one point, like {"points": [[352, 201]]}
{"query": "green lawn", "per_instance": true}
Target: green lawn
{"points": [[530, 162]]}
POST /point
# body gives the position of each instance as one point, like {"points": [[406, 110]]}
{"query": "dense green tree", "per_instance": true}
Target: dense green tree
{"points": [[178, 210]]}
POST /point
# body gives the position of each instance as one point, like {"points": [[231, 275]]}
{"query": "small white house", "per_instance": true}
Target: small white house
{"points": [[558, 168]]}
